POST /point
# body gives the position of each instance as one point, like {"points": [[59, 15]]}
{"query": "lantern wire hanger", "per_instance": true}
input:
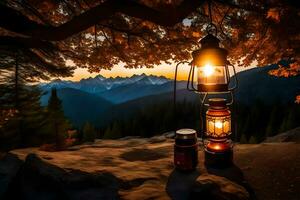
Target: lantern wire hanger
{"points": [[211, 25]]}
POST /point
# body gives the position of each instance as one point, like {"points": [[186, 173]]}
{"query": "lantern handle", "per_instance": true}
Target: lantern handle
{"points": [[175, 92], [175, 78], [190, 83], [235, 78]]}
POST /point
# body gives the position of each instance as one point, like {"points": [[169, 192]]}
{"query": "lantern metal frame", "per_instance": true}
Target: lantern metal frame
{"points": [[218, 111], [211, 43], [213, 134]]}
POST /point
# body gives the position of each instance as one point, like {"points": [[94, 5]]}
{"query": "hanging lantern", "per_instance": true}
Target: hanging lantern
{"points": [[218, 145], [211, 63]]}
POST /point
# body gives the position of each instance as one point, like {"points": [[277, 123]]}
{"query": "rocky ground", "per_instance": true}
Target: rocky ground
{"points": [[139, 169]]}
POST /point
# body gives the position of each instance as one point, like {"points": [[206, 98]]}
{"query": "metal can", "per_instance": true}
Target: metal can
{"points": [[186, 150]]}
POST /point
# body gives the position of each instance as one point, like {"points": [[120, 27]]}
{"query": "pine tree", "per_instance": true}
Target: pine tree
{"points": [[253, 140], [107, 133], [114, 132], [19, 94], [246, 128], [243, 139], [283, 126], [57, 123], [89, 133], [272, 127], [292, 119]]}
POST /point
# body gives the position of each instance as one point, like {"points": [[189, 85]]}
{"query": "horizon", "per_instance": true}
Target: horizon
{"points": [[121, 71]]}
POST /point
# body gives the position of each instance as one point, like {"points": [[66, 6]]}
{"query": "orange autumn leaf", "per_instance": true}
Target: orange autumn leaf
{"points": [[274, 14], [292, 70], [196, 34], [297, 99]]}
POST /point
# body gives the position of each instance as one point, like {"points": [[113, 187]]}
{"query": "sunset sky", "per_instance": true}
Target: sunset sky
{"points": [[160, 70]]}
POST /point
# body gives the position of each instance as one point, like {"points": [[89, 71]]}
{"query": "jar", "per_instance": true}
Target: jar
{"points": [[186, 150]]}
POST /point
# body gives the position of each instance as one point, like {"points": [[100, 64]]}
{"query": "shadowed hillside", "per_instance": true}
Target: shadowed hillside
{"points": [[256, 84], [80, 106]]}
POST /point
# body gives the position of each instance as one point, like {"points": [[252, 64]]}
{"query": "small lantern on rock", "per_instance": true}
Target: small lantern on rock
{"points": [[218, 145]]}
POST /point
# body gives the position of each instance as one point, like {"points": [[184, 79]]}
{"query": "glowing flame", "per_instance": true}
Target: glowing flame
{"points": [[208, 70], [217, 147], [218, 124]]}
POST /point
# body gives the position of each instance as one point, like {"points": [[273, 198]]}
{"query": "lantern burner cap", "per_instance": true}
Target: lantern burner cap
{"points": [[217, 103], [209, 41], [210, 51]]}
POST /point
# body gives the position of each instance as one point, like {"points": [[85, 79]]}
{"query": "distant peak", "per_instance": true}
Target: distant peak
{"points": [[138, 75], [99, 76], [145, 75], [56, 80]]}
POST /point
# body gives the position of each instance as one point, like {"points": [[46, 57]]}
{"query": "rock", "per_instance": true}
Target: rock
{"points": [[232, 173], [180, 184], [73, 148], [138, 169], [142, 155], [10, 165], [209, 186], [41, 180], [169, 135], [288, 136], [157, 139], [149, 190], [129, 137]]}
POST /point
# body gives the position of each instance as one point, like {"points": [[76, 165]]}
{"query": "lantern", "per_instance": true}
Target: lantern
{"points": [[218, 145], [211, 63], [218, 119]]}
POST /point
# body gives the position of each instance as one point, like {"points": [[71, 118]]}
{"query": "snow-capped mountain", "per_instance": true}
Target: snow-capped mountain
{"points": [[100, 84]]}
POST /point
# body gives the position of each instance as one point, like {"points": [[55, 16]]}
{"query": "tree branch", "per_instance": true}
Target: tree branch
{"points": [[237, 6], [15, 21], [50, 67], [25, 43], [168, 16]]}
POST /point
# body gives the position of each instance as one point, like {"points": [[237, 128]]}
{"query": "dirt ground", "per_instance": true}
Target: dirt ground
{"points": [[271, 169]]}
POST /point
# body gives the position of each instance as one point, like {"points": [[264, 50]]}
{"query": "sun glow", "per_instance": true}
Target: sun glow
{"points": [[166, 70], [208, 70]]}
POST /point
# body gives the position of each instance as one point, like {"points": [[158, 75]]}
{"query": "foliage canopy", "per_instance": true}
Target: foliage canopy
{"points": [[100, 34]]}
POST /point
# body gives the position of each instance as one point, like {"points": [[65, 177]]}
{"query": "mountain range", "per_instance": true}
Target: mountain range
{"points": [[116, 90], [101, 99], [257, 85]]}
